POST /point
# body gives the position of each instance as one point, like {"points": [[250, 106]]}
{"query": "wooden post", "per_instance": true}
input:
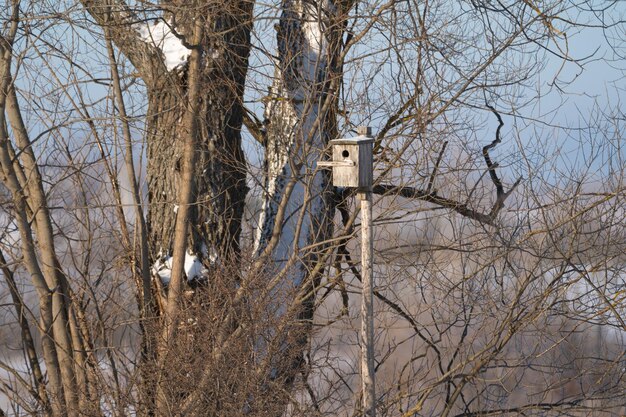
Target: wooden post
{"points": [[353, 166], [367, 303]]}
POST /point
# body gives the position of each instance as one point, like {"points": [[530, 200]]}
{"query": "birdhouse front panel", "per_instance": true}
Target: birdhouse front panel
{"points": [[346, 175], [352, 159]]}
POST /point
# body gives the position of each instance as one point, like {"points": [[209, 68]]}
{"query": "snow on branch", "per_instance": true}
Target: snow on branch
{"points": [[160, 34]]}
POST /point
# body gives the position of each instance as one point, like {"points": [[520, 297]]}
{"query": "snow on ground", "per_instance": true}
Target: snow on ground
{"points": [[160, 35]]}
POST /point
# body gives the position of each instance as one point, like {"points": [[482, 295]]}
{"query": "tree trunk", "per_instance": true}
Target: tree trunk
{"points": [[301, 121], [220, 167], [298, 202]]}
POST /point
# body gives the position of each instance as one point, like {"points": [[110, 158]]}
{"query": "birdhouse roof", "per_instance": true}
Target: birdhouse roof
{"points": [[357, 140]]}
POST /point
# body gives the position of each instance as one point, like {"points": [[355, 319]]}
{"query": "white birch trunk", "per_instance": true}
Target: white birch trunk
{"points": [[295, 139], [297, 211]]}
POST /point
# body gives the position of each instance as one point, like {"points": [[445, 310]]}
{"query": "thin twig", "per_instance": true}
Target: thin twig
{"points": [[431, 181]]}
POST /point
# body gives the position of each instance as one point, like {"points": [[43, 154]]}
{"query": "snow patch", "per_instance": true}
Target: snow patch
{"points": [[313, 34], [160, 35], [163, 268], [193, 268], [210, 254]]}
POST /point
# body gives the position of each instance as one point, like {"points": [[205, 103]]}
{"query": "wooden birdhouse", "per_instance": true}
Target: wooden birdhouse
{"points": [[352, 160]]}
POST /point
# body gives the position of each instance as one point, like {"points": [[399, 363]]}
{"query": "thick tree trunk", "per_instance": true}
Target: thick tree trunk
{"points": [[297, 134], [220, 190], [220, 167]]}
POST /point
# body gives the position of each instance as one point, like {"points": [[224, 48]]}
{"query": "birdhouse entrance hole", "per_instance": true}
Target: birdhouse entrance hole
{"points": [[352, 160]]}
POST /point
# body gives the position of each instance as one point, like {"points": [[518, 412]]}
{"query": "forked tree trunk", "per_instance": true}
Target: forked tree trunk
{"points": [[220, 170], [301, 118]]}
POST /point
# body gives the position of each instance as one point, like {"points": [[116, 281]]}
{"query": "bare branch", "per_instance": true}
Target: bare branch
{"points": [[501, 195], [411, 192]]}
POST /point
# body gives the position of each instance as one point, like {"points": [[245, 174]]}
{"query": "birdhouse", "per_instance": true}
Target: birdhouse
{"points": [[352, 160]]}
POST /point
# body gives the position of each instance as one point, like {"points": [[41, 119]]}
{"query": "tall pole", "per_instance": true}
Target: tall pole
{"points": [[367, 301], [353, 166]]}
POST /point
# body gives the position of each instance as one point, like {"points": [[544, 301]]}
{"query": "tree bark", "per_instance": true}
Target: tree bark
{"points": [[219, 170], [185, 198]]}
